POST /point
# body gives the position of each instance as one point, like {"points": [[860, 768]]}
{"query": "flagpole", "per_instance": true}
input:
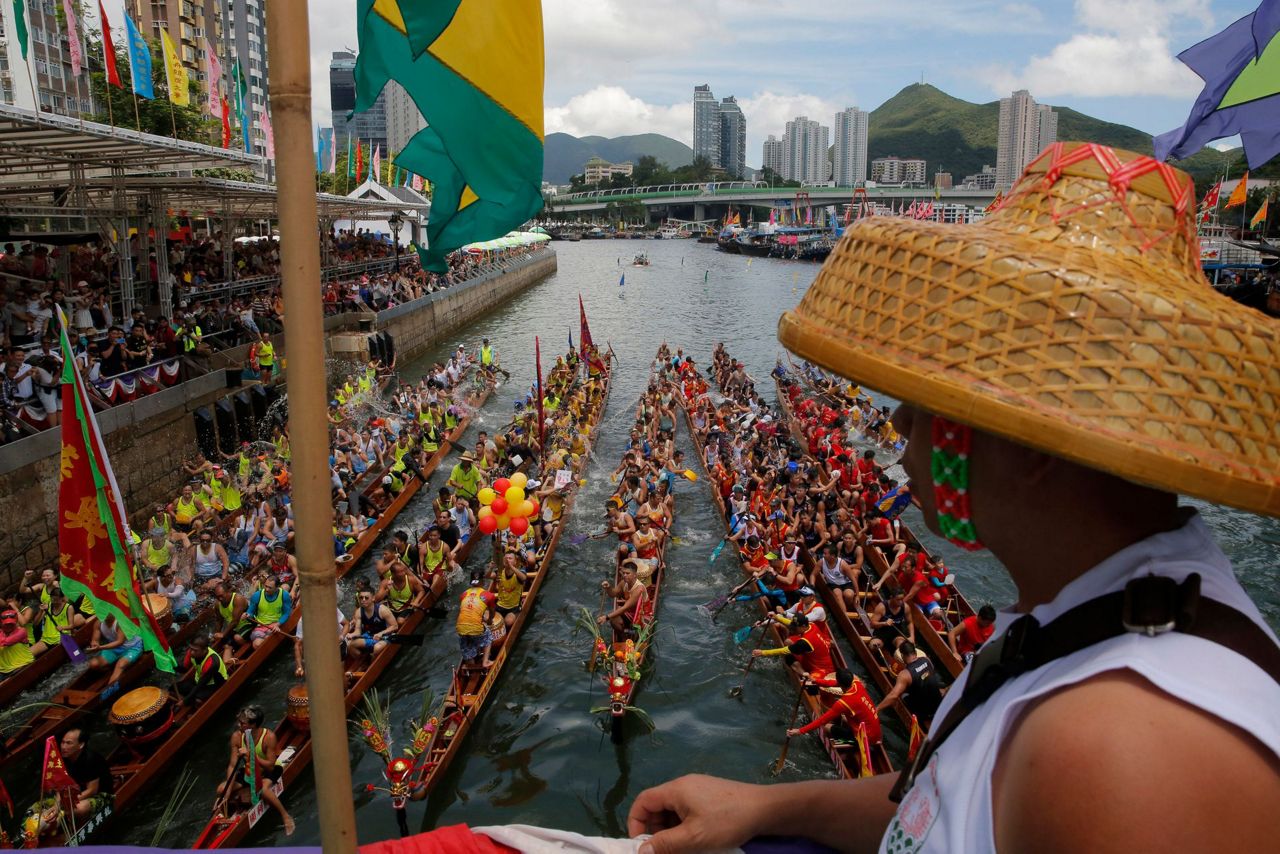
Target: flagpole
{"points": [[136, 117], [289, 44]]}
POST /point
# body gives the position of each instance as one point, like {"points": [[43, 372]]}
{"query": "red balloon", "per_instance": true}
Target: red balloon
{"points": [[533, 514], [488, 524], [519, 525], [501, 485], [498, 505]]}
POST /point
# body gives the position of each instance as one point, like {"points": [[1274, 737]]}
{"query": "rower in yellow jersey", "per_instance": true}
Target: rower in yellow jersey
{"points": [[509, 582]]}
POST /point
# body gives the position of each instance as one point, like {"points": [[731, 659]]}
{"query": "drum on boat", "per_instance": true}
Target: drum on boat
{"points": [[142, 715], [158, 605], [298, 707]]}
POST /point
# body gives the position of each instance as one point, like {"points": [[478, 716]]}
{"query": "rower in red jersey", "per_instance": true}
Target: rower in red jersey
{"points": [[968, 636], [808, 647], [850, 706]]}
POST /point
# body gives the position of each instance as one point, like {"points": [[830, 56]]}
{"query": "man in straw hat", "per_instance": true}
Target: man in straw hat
{"points": [[1065, 372]]}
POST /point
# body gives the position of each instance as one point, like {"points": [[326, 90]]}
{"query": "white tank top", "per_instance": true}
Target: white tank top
{"points": [[208, 564], [833, 574], [950, 808]]}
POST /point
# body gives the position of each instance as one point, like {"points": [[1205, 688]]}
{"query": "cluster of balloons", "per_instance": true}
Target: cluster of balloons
{"points": [[504, 506]]}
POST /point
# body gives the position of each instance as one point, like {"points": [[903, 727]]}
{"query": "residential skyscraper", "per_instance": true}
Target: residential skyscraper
{"points": [[804, 151], [849, 161], [706, 124], [370, 127], [49, 59], [1026, 129], [733, 138], [771, 158], [403, 117]]}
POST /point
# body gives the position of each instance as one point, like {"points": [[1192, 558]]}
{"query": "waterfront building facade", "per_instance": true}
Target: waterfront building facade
{"points": [[849, 159], [599, 170], [1026, 129], [804, 151], [984, 180], [899, 170]]}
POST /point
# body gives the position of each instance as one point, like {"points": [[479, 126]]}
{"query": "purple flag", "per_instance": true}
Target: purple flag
{"points": [[1239, 95]]}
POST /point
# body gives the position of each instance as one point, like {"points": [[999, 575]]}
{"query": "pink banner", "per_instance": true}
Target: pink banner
{"points": [[215, 76], [73, 37]]}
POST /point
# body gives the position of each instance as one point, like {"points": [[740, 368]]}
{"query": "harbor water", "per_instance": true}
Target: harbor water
{"points": [[536, 754]]}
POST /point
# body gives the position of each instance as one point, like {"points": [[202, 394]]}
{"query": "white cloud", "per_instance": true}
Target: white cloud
{"points": [[612, 111], [1125, 52]]}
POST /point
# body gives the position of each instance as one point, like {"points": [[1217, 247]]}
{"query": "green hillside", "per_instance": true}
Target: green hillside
{"points": [[565, 155], [959, 137]]}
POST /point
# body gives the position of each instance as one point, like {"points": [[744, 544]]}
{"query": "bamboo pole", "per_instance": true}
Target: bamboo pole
{"points": [[289, 44]]}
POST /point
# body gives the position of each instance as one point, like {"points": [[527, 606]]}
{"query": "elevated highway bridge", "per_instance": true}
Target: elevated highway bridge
{"points": [[713, 200]]}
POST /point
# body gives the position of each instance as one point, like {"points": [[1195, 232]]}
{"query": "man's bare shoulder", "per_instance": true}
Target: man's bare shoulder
{"points": [[1116, 764]]}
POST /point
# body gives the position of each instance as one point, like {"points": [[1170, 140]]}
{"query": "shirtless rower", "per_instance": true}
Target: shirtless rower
{"points": [[630, 596]]}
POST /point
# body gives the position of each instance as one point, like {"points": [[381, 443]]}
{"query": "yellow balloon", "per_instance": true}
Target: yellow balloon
{"points": [[503, 522], [484, 511], [519, 479], [526, 508], [514, 496], [486, 495]]}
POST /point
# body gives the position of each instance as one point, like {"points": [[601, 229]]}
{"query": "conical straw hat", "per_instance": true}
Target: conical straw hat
{"points": [[1074, 319]]}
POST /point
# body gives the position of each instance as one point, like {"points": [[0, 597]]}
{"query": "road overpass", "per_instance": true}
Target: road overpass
{"points": [[705, 201]]}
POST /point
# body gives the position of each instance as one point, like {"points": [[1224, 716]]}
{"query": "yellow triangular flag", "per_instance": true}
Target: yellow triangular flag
{"points": [[1239, 193], [1260, 218]]}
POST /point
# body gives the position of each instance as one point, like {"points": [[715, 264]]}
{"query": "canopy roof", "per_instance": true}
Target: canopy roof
{"points": [[40, 149]]}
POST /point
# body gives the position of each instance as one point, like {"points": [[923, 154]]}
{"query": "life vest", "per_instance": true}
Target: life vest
{"points": [[486, 355], [434, 561], [15, 657], [157, 557], [221, 669], [398, 598], [509, 590], [245, 466], [190, 339], [266, 354], [231, 497], [270, 610], [471, 613], [186, 510], [225, 612]]}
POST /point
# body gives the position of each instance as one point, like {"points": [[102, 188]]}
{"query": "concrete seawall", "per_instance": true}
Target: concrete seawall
{"points": [[149, 438]]}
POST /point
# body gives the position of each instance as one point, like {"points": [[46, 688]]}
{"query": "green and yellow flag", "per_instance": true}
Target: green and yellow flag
{"points": [[95, 554], [475, 71]]}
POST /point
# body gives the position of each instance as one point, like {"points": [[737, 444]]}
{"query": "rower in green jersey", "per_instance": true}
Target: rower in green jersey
{"points": [[466, 479]]}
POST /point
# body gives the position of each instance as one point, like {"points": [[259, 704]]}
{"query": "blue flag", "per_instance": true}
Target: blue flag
{"points": [[622, 280], [139, 61], [1241, 71]]}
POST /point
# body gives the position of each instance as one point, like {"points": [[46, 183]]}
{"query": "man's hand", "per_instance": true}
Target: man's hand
{"points": [[696, 813]]}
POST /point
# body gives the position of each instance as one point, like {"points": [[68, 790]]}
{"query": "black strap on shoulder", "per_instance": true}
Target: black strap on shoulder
{"points": [[1150, 606]]}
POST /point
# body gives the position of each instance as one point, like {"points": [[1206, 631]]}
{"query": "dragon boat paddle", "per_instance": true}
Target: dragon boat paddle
{"points": [[736, 690], [716, 605], [786, 743]]}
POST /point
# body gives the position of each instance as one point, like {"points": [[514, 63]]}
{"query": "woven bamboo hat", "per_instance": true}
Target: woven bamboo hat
{"points": [[1074, 319]]}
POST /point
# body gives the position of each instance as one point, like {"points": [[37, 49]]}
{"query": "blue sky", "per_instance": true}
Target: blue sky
{"points": [[621, 66]]}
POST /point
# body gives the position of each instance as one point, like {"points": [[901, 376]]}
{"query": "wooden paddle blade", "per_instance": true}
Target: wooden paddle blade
{"points": [[743, 633], [406, 640]]}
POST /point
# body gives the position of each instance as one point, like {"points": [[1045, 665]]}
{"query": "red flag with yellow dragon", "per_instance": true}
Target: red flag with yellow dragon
{"points": [[96, 558]]}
